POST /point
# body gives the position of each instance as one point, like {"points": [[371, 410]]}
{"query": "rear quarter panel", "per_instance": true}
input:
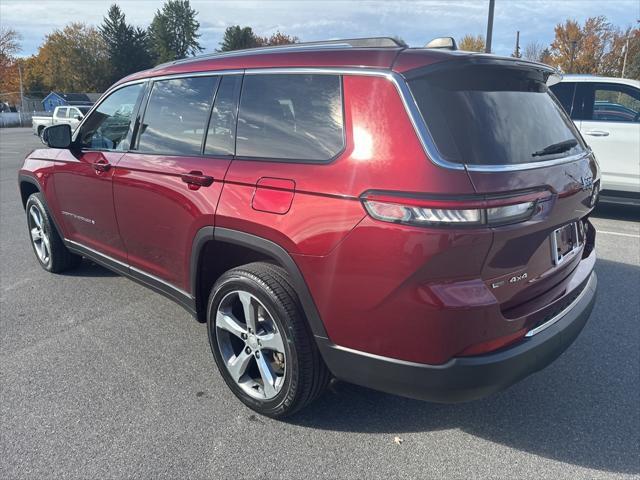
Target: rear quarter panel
{"points": [[381, 151]]}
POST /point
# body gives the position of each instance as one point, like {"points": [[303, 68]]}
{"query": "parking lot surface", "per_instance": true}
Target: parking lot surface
{"points": [[102, 378]]}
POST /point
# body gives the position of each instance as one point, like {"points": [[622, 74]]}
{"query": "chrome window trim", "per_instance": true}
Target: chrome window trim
{"points": [[406, 96]]}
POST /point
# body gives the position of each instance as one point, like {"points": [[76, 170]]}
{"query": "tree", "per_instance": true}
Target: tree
{"points": [[173, 33], [73, 59], [9, 77], [472, 43], [279, 38], [545, 56], [238, 38], [127, 46], [533, 51], [623, 44], [632, 67], [590, 48], [33, 77]]}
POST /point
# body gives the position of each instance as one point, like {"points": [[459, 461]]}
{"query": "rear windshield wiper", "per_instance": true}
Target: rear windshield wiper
{"points": [[556, 148]]}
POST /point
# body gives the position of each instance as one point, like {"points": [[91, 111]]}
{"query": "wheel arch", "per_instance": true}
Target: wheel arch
{"points": [[28, 186], [216, 250]]}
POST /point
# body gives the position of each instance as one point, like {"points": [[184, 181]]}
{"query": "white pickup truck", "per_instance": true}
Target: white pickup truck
{"points": [[71, 115]]}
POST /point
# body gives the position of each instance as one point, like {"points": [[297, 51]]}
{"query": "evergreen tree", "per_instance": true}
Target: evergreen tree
{"points": [[173, 33], [126, 46], [237, 38]]}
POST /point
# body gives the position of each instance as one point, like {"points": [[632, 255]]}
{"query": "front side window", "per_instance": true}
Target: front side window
{"points": [[290, 117], [108, 125], [176, 116], [62, 112], [494, 116], [614, 103]]}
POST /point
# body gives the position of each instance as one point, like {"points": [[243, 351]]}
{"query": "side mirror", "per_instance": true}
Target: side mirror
{"points": [[57, 136], [79, 117]]}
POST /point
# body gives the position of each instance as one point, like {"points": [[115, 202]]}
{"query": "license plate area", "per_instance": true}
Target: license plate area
{"points": [[565, 242]]}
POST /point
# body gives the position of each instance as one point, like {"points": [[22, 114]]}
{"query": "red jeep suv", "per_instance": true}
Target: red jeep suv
{"points": [[414, 220]]}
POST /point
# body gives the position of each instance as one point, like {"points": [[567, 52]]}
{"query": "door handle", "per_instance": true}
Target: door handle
{"points": [[196, 179], [101, 166], [597, 133]]}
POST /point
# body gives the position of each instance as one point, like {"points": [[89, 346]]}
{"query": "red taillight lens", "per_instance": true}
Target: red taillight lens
{"points": [[434, 212], [392, 212]]}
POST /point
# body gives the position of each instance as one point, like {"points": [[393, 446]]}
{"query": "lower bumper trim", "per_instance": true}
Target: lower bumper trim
{"points": [[463, 378]]}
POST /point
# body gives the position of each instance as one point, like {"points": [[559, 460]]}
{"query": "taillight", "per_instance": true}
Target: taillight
{"points": [[486, 210]]}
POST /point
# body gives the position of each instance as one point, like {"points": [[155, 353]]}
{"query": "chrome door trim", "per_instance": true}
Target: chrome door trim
{"points": [[141, 273]]}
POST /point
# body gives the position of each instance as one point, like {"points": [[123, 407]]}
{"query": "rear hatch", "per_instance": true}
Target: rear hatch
{"points": [[499, 119]]}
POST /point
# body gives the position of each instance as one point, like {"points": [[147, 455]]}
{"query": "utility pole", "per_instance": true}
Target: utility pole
{"points": [[21, 91], [624, 61], [516, 52], [487, 48]]}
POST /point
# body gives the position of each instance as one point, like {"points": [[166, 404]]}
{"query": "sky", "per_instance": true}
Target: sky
{"points": [[416, 22]]}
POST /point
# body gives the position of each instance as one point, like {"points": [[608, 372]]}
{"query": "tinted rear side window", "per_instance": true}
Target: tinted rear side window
{"points": [[491, 116], [176, 116], [291, 117], [222, 126]]}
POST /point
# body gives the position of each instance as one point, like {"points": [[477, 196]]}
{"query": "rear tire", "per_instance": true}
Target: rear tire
{"points": [[51, 253], [249, 351]]}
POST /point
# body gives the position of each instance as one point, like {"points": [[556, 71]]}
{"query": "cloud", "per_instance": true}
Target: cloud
{"points": [[415, 21]]}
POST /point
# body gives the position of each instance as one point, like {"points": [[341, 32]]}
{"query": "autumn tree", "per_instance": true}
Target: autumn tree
{"points": [[545, 56], [279, 38], [595, 47], [73, 59], [472, 43], [9, 77], [632, 64], [126, 45], [33, 77], [173, 33]]}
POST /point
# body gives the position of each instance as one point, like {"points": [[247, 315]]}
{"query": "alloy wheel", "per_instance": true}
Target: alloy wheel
{"points": [[39, 236], [251, 345]]}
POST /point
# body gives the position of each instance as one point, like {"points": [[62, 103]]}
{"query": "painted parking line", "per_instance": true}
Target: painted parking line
{"points": [[619, 234]]}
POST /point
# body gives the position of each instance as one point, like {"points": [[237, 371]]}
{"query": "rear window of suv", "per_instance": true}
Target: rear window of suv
{"points": [[494, 116]]}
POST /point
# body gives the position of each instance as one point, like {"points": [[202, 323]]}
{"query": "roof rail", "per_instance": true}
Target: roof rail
{"points": [[373, 42], [443, 42]]}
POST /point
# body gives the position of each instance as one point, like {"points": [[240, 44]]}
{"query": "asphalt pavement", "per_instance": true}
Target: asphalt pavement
{"points": [[102, 378]]}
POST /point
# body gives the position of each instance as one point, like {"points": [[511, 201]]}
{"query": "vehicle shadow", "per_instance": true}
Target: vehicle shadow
{"points": [[583, 409], [617, 212], [90, 269]]}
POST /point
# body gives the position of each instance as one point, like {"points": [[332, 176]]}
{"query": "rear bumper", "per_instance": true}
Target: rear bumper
{"points": [[465, 378]]}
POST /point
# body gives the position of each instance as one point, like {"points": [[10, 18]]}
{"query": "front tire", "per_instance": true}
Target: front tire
{"points": [[49, 248], [261, 342]]}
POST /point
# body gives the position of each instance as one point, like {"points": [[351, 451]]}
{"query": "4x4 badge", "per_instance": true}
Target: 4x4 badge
{"points": [[586, 182]]}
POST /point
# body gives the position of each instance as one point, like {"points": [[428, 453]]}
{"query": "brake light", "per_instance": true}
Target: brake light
{"points": [[433, 212]]}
